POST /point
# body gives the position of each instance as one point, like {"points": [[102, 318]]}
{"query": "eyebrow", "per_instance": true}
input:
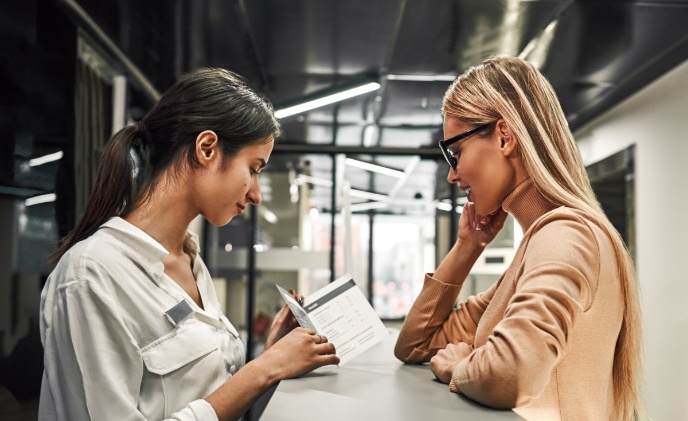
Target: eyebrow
{"points": [[454, 147], [263, 163]]}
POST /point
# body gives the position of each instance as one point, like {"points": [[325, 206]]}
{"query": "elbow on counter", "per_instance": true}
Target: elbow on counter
{"points": [[496, 393], [409, 354], [401, 353]]}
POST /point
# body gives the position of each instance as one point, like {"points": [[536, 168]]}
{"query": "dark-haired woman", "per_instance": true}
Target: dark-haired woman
{"points": [[130, 322]]}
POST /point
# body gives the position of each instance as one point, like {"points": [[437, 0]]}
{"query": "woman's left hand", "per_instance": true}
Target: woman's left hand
{"points": [[283, 322], [445, 361]]}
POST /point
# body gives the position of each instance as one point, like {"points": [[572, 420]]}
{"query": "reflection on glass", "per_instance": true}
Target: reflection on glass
{"points": [[404, 249]]}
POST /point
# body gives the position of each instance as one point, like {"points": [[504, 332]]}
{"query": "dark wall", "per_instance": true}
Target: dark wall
{"points": [[37, 73]]}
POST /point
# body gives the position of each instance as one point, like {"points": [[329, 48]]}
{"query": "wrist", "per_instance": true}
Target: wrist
{"points": [[467, 252], [458, 262], [265, 373]]}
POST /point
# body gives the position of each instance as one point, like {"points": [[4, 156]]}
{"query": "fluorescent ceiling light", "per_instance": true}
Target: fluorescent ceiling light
{"points": [[368, 195], [445, 206], [358, 207], [327, 99], [538, 48], [422, 78], [268, 214], [44, 198], [45, 159], [303, 178], [374, 167]]}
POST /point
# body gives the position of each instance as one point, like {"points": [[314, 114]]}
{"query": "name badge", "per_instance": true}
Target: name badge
{"points": [[179, 312]]}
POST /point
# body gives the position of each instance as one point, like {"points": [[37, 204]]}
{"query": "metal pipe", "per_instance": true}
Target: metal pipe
{"points": [[251, 284], [82, 19], [453, 217]]}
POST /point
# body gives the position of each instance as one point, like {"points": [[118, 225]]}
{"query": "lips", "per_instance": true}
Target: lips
{"points": [[466, 190], [240, 209]]}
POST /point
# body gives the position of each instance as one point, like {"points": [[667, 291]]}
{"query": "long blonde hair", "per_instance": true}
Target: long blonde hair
{"points": [[512, 89]]}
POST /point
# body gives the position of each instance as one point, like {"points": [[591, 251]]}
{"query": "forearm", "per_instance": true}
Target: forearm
{"points": [[240, 391], [421, 335], [298, 352], [428, 327], [457, 264]]}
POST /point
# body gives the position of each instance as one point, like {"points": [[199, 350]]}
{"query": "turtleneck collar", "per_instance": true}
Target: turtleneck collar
{"points": [[526, 204]]}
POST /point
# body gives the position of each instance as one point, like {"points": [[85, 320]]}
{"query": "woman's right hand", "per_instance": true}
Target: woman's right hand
{"points": [[478, 229], [297, 353]]}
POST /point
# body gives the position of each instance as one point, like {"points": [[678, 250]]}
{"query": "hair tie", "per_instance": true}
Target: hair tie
{"points": [[142, 132]]}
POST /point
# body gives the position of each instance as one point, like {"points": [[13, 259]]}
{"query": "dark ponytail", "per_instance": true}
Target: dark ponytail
{"points": [[113, 188], [135, 157]]}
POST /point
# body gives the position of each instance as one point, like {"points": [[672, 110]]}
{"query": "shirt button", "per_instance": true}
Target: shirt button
{"points": [[232, 369]]}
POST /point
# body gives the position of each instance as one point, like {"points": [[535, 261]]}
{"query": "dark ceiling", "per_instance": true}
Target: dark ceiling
{"points": [[595, 53]]}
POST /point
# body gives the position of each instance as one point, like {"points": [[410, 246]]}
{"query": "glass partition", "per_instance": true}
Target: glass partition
{"points": [[323, 216]]}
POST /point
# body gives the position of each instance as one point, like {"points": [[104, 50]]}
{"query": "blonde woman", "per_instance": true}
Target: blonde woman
{"points": [[558, 337]]}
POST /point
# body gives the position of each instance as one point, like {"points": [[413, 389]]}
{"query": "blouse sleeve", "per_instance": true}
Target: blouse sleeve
{"points": [[93, 365], [560, 264], [432, 322]]}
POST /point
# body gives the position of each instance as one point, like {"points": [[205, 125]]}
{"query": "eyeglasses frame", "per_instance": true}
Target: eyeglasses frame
{"points": [[445, 143]]}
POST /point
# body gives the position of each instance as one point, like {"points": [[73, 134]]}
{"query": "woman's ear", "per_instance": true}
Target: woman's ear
{"points": [[507, 140], [207, 147]]}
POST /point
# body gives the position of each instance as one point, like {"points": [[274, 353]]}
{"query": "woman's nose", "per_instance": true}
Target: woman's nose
{"points": [[254, 197], [452, 176]]}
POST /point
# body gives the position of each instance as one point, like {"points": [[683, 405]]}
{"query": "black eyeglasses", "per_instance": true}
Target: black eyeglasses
{"points": [[444, 144]]}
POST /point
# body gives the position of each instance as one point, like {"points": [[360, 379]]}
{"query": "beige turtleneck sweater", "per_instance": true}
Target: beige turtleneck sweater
{"points": [[543, 336]]}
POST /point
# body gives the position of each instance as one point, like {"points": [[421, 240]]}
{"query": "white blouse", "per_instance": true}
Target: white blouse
{"points": [[111, 353]]}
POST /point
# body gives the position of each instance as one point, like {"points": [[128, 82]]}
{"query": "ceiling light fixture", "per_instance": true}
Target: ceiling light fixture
{"points": [[368, 195], [327, 97], [303, 178], [359, 207], [45, 159], [446, 206], [268, 214], [422, 78], [44, 198], [374, 167], [538, 48]]}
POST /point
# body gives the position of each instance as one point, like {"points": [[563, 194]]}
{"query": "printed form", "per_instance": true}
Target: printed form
{"points": [[341, 312]]}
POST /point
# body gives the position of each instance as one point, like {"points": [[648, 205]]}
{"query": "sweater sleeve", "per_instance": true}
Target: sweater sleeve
{"points": [[432, 322], [557, 283]]}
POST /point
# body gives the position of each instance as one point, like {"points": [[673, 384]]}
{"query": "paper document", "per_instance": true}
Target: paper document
{"points": [[341, 312]]}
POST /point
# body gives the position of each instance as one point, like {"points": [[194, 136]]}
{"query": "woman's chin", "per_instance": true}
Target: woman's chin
{"points": [[484, 211], [219, 222]]}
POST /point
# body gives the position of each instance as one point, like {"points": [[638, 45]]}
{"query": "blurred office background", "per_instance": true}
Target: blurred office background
{"points": [[357, 186]]}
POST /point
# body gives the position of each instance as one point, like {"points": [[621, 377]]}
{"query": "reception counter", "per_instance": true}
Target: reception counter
{"points": [[373, 386]]}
